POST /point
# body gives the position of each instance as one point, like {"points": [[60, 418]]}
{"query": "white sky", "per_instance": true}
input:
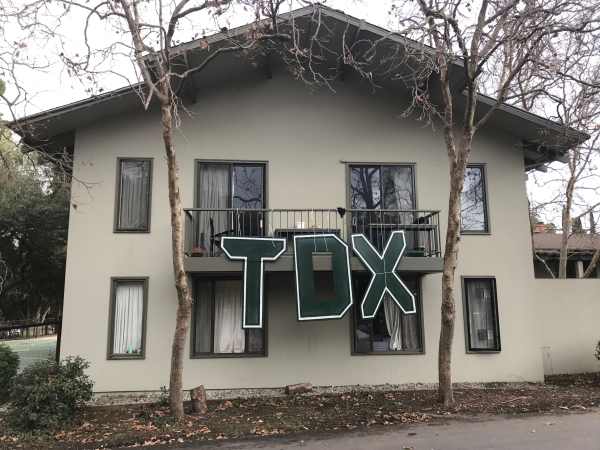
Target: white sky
{"points": [[54, 86]]}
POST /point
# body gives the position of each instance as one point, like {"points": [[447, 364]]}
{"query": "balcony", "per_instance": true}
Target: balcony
{"points": [[204, 229]]}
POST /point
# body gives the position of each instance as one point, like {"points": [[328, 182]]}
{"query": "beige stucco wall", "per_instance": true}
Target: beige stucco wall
{"points": [[569, 312], [304, 136]]}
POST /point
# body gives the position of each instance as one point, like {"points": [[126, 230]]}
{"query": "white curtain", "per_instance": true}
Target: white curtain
{"points": [[229, 334], [129, 313], [402, 328], [214, 194], [410, 332], [203, 316], [135, 183], [393, 322]]}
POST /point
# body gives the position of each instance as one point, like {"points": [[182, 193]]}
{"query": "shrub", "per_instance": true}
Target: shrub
{"points": [[163, 398], [9, 364], [49, 394], [597, 353]]}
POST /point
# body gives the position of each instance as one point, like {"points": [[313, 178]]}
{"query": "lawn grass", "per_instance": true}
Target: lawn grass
{"points": [[32, 350]]}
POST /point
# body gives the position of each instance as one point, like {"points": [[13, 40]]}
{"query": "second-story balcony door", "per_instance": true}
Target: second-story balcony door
{"points": [[385, 196], [222, 186]]}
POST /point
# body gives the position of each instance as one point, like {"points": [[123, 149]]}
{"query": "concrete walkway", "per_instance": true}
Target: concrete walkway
{"points": [[562, 432]]}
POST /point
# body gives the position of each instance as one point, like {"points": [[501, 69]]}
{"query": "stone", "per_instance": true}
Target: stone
{"points": [[198, 398], [299, 388]]}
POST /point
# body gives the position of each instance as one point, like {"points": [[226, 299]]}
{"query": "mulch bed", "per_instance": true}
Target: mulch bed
{"points": [[148, 425]]}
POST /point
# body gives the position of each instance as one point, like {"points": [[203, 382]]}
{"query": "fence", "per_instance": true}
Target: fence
{"points": [[205, 227], [26, 329]]}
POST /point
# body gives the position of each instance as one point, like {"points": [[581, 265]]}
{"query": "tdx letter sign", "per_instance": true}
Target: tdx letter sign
{"points": [[312, 305]]}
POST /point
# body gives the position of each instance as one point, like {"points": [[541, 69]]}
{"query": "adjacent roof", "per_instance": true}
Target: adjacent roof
{"points": [[543, 140], [578, 242]]}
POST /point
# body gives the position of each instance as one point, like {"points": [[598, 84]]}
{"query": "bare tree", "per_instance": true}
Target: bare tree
{"points": [[478, 47], [149, 34], [451, 52], [568, 87]]}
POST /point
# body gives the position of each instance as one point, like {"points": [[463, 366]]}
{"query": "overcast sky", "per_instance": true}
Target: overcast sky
{"points": [[54, 86]]}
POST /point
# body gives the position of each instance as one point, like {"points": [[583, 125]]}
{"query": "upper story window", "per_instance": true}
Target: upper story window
{"points": [[382, 187], [128, 318], [382, 198], [217, 321], [481, 314], [474, 210], [133, 194], [231, 185], [226, 191]]}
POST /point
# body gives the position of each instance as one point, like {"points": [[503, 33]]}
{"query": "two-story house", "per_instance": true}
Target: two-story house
{"points": [[267, 157]]}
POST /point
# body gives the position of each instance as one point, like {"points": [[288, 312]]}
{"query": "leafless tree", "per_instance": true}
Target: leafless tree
{"points": [[478, 47], [148, 35], [450, 51], [567, 87]]}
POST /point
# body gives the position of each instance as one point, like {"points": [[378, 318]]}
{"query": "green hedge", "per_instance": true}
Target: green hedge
{"points": [[9, 365], [47, 394]]}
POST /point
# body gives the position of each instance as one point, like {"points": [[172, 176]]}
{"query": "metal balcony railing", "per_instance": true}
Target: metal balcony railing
{"points": [[205, 227]]}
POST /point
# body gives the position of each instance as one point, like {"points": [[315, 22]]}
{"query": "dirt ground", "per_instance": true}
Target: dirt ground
{"points": [[150, 425]]}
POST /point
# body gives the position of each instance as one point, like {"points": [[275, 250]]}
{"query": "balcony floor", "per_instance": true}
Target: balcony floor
{"points": [[221, 264]]}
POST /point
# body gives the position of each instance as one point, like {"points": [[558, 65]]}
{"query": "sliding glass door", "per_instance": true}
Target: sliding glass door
{"points": [[386, 193], [227, 191]]}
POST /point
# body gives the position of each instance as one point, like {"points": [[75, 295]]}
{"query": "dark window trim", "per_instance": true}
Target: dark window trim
{"points": [[218, 277], [111, 316], [466, 318], [486, 210], [116, 228], [231, 162], [353, 351], [350, 164]]}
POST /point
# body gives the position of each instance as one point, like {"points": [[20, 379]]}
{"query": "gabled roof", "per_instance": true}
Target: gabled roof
{"points": [[543, 140]]}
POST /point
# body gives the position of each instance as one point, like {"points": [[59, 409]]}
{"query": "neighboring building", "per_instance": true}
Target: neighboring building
{"points": [[581, 248], [266, 156]]}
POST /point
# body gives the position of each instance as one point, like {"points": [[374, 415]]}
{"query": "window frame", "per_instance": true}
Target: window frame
{"points": [[419, 305], [213, 279], [351, 164], [114, 281], [466, 314], [116, 228], [230, 162], [486, 212]]}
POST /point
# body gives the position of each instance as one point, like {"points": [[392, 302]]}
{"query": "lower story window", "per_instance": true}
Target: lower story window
{"points": [[217, 321], [481, 314], [390, 331], [128, 318]]}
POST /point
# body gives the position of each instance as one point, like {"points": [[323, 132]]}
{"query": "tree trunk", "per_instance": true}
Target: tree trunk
{"points": [[448, 310], [564, 241], [533, 250], [184, 299], [566, 225], [592, 266]]}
